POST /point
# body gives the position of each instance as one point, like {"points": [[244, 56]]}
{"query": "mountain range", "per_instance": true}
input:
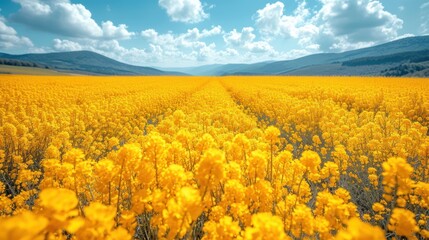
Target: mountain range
{"points": [[374, 60], [403, 57], [83, 62]]}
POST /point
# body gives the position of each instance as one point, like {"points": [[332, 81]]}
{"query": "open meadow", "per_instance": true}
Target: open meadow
{"points": [[213, 157]]}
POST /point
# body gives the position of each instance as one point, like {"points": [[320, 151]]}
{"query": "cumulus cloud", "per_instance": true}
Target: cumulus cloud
{"points": [[195, 45], [337, 25], [67, 19], [187, 11], [190, 39], [245, 40], [195, 33], [271, 20], [9, 38], [359, 21], [259, 47], [191, 47], [235, 38], [205, 53], [66, 45], [115, 32], [183, 47]]}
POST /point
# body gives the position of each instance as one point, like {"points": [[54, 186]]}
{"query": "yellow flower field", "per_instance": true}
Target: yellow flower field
{"points": [[214, 158]]}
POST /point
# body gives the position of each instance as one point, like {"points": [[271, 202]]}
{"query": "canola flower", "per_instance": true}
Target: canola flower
{"points": [[213, 158]]}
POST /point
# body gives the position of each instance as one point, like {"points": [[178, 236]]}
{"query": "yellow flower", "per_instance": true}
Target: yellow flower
{"points": [[2, 187], [99, 213], [265, 226], [174, 177], [52, 152], [9, 129], [403, 223], [210, 170], [257, 165], [99, 221], [378, 207], [129, 154], [316, 140], [226, 229], [58, 199], [401, 202], [190, 201], [302, 221], [74, 156], [397, 171], [112, 142], [234, 192], [272, 134], [6, 205], [367, 217], [119, 234], [311, 161], [358, 230], [180, 212], [59, 207], [24, 226]]}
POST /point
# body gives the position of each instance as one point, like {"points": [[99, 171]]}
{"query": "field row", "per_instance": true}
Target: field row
{"points": [[213, 158]]}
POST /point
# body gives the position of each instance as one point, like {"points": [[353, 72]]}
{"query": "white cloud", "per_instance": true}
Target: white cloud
{"points": [[206, 52], [187, 46], [9, 38], [190, 48], [351, 24], [236, 39], [187, 11], [113, 32], [195, 33], [194, 46], [271, 21], [4, 29], [230, 52], [245, 40], [259, 47], [190, 39], [337, 25], [66, 45], [67, 19], [149, 34]]}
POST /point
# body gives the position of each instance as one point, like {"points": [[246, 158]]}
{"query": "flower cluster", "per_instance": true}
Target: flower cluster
{"points": [[208, 158]]}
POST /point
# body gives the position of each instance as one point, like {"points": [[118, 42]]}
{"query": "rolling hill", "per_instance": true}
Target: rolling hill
{"points": [[85, 62], [403, 57], [330, 63]]}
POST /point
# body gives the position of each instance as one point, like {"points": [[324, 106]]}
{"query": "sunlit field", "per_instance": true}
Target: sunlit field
{"points": [[214, 158]]}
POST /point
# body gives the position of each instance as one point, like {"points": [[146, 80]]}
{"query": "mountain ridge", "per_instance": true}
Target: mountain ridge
{"points": [[281, 67], [384, 59], [86, 62], [397, 46]]}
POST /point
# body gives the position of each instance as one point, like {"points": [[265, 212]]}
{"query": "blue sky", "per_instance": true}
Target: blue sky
{"points": [[178, 33]]}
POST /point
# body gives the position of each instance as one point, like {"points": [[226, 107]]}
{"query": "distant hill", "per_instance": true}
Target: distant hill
{"points": [[403, 57], [19, 63], [414, 56], [366, 61], [399, 64], [30, 70], [218, 69], [85, 62]]}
